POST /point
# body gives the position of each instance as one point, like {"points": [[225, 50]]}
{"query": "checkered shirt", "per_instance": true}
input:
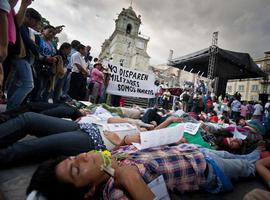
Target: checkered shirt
{"points": [[182, 167]]}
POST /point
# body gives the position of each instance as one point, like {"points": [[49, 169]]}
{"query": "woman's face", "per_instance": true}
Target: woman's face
{"points": [[66, 51], [242, 122], [82, 170], [234, 143], [82, 51]]}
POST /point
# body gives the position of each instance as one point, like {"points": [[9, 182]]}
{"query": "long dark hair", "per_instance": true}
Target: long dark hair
{"points": [[44, 181]]}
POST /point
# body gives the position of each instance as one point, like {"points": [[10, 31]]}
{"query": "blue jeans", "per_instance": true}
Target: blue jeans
{"points": [[55, 137], [21, 84], [66, 83], [58, 90], [233, 165]]}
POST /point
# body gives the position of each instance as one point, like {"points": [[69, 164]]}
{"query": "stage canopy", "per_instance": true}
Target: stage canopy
{"points": [[229, 64]]}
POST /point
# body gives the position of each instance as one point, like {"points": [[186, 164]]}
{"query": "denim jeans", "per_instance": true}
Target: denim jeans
{"points": [[20, 85], [51, 109], [55, 137], [58, 90], [233, 165], [66, 83]]}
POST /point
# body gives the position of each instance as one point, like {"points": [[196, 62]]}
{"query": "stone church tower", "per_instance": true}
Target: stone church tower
{"points": [[126, 46]]}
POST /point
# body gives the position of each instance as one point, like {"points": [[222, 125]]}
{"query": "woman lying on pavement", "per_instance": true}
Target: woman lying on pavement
{"points": [[55, 136], [127, 172]]}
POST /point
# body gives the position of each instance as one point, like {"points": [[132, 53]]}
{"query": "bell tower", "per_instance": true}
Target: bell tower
{"points": [[128, 22], [126, 46]]}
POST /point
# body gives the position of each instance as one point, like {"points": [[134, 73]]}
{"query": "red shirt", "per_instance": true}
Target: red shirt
{"points": [[214, 119]]}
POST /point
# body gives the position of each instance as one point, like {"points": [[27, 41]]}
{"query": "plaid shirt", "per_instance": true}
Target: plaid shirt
{"points": [[182, 167]]}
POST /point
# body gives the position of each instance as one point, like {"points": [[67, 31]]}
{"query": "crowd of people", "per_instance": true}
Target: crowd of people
{"points": [[87, 162], [33, 69]]}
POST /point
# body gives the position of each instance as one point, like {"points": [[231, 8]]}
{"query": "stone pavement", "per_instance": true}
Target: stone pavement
{"points": [[14, 181]]}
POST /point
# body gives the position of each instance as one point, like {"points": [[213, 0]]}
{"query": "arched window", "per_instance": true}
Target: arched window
{"points": [[129, 28]]}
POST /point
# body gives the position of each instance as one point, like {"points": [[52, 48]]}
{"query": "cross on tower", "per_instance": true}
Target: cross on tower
{"points": [[131, 1]]}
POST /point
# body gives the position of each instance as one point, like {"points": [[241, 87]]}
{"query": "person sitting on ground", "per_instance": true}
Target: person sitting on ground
{"points": [[126, 173], [213, 117]]}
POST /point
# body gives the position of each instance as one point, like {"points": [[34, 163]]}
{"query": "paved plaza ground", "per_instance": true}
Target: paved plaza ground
{"points": [[13, 183]]}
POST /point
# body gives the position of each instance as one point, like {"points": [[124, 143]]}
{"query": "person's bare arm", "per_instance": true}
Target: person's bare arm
{"points": [[128, 178], [168, 121], [21, 13], [112, 120], [263, 169]]}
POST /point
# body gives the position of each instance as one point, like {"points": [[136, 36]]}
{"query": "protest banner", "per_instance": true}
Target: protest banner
{"points": [[130, 83]]}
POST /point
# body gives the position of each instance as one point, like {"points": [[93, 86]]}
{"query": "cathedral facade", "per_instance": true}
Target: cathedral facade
{"points": [[126, 46]]}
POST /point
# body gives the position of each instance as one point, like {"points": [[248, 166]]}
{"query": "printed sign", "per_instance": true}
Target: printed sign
{"points": [[192, 128], [130, 83], [160, 137]]}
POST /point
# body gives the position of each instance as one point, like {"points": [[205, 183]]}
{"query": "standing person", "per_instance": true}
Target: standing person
{"points": [[250, 109], [154, 101], [97, 78], [4, 10], [209, 105], [235, 106], [244, 110], [74, 45], [258, 112], [15, 43], [77, 89], [88, 57], [44, 65], [166, 99], [224, 105], [22, 83], [184, 97], [64, 51]]}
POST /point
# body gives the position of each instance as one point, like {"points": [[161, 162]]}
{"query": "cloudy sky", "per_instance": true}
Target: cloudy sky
{"points": [[182, 25]]}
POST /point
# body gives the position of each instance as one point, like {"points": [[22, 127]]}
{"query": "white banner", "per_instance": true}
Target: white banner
{"points": [[130, 83]]}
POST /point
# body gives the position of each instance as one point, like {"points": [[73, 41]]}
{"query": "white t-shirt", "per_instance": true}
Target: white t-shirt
{"points": [[258, 109], [267, 105], [77, 58], [4, 5]]}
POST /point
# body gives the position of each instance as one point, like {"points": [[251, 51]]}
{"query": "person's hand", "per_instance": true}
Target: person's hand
{"points": [[26, 3], [123, 174], [58, 29]]}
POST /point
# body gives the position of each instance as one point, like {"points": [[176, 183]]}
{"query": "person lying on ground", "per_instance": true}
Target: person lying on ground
{"points": [[60, 110], [253, 126], [184, 167], [54, 137]]}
